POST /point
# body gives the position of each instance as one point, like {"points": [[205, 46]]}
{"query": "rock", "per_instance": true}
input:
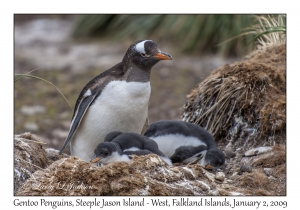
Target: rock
{"points": [[257, 151], [236, 194], [64, 115], [220, 176], [61, 134], [31, 126], [268, 171], [272, 178], [66, 124], [55, 142], [209, 175], [32, 110], [53, 155], [226, 170], [229, 154], [246, 168]]}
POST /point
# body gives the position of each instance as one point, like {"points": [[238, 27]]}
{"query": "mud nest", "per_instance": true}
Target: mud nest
{"points": [[144, 175], [44, 172], [30, 156], [243, 104]]}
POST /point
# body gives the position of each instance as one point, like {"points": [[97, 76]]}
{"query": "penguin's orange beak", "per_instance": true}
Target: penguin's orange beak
{"points": [[208, 166], [95, 160], [163, 56]]}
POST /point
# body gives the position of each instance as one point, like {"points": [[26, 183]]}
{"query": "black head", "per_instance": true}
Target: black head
{"points": [[103, 151], [214, 159], [145, 54]]}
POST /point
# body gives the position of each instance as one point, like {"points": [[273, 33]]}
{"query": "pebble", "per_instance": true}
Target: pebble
{"points": [[268, 171], [272, 178], [226, 170], [55, 142], [220, 176], [229, 154], [246, 168], [51, 151], [257, 151], [31, 126], [66, 124], [234, 174], [64, 115], [52, 154], [61, 134], [32, 110], [209, 175]]}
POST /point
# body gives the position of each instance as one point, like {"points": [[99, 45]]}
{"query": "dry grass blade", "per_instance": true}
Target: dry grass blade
{"points": [[243, 103], [269, 30], [38, 142], [29, 163], [28, 73]]}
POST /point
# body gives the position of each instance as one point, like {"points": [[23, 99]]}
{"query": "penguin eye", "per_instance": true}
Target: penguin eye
{"points": [[143, 54]]}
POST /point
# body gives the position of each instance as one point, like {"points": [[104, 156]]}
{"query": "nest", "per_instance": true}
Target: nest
{"points": [[40, 171], [243, 104], [144, 175], [30, 156]]}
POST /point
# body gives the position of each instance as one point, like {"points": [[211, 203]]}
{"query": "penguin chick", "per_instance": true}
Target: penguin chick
{"points": [[186, 142], [120, 146]]}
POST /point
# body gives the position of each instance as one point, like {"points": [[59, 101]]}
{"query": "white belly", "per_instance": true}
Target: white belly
{"points": [[121, 106], [167, 144]]}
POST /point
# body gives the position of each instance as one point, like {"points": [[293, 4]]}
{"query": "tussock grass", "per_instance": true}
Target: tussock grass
{"points": [[265, 31], [189, 33], [245, 103], [269, 30]]}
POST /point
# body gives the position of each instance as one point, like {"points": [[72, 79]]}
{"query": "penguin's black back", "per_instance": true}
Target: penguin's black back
{"points": [[167, 127], [130, 140]]}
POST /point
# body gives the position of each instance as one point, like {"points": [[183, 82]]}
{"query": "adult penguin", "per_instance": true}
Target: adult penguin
{"points": [[115, 100]]}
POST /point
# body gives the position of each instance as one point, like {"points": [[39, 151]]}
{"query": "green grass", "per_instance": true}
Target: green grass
{"points": [[266, 30], [269, 30], [189, 33]]}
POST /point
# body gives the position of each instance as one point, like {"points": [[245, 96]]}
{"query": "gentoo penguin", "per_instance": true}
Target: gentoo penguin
{"points": [[118, 146], [115, 100], [186, 142]]}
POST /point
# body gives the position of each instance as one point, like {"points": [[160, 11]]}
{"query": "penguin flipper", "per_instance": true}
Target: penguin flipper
{"points": [[111, 136], [184, 152], [78, 116]]}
